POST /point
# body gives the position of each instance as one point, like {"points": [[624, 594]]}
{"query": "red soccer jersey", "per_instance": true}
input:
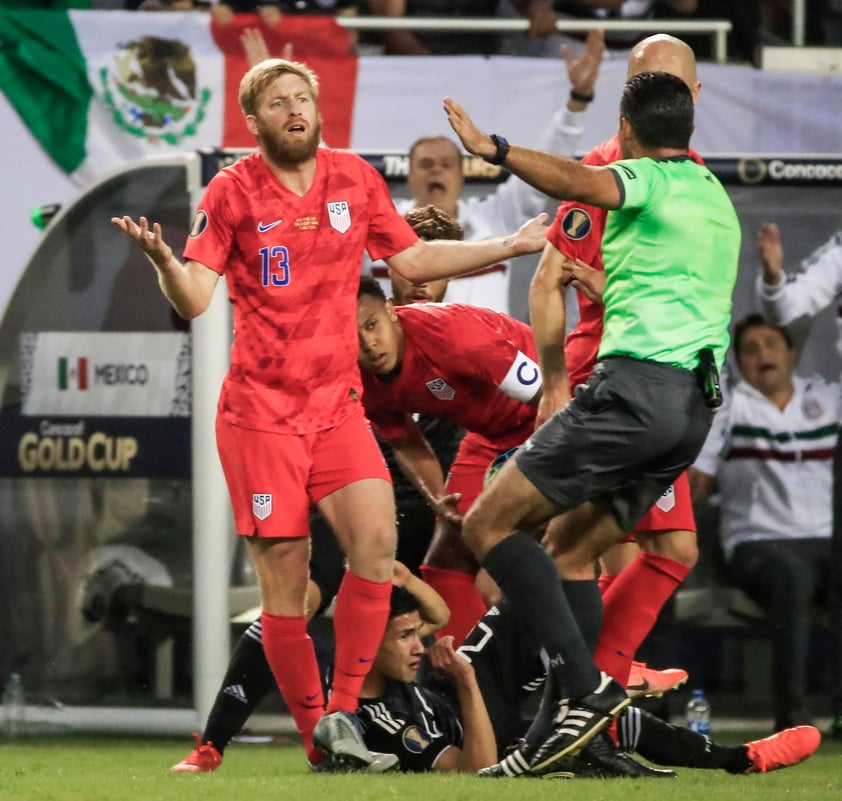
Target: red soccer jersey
{"points": [[292, 265], [459, 364], [577, 232]]}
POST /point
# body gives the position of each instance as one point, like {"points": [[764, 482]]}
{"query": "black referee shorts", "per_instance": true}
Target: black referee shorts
{"points": [[624, 438]]}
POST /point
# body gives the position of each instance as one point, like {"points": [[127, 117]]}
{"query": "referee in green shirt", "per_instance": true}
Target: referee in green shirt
{"points": [[670, 249]]}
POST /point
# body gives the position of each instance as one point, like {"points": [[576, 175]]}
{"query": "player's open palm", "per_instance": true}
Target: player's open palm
{"points": [[151, 242]]}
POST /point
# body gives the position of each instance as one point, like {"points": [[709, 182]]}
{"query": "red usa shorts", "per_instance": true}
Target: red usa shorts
{"points": [[673, 511], [467, 473], [273, 479]]}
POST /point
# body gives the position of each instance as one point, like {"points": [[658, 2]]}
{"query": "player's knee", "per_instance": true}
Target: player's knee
{"points": [[477, 532], [680, 546]]}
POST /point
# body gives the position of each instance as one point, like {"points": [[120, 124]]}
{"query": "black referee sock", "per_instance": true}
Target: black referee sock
{"points": [[676, 746], [528, 578], [585, 603], [246, 683]]}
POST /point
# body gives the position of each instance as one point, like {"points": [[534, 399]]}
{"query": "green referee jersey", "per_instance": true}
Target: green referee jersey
{"points": [[671, 253]]}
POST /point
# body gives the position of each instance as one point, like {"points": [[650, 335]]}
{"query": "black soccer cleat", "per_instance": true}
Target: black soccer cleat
{"points": [[578, 721], [515, 763], [601, 759]]}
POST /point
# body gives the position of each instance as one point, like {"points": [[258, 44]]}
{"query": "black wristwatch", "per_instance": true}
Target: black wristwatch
{"points": [[502, 150]]}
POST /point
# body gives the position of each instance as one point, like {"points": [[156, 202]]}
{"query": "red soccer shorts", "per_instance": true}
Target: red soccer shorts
{"points": [[273, 479], [673, 511], [467, 473]]}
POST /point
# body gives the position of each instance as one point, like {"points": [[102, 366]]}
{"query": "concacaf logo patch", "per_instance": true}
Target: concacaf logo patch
{"points": [[576, 224], [414, 740], [199, 224], [151, 90]]}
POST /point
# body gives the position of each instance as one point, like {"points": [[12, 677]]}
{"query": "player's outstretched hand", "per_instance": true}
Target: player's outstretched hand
{"points": [[530, 237], [151, 242], [473, 140], [771, 252]]}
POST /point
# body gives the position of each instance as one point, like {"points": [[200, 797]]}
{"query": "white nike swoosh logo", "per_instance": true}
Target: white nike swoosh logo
{"points": [[264, 228]]}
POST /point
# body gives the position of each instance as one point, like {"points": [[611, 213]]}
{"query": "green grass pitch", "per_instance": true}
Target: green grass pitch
{"points": [[90, 768]]}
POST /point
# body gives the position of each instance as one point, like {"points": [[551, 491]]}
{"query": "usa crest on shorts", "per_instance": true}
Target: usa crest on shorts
{"points": [[666, 503], [261, 505]]}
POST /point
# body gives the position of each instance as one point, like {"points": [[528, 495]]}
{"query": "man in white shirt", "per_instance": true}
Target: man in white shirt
{"points": [[435, 176], [771, 451], [794, 301]]}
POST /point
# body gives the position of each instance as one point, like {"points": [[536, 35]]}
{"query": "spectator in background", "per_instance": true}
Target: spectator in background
{"points": [[169, 5], [435, 177], [770, 451], [271, 10], [800, 297], [794, 301], [544, 39], [418, 43]]}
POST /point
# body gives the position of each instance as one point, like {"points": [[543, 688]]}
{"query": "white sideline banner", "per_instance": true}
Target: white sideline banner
{"points": [[93, 374]]}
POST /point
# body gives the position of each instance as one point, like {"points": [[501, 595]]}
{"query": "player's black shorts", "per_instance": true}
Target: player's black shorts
{"points": [[509, 670], [624, 438]]}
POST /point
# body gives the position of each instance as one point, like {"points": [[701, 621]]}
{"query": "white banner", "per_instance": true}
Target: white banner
{"points": [[398, 99], [105, 374]]}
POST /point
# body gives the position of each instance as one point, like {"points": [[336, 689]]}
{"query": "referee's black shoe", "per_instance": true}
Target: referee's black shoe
{"points": [[601, 759], [578, 721]]}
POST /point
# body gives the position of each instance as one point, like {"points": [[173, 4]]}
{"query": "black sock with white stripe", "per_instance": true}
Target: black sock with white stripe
{"points": [[528, 579], [676, 746], [247, 682]]}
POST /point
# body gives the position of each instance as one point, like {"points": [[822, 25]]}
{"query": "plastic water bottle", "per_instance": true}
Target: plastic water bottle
{"points": [[698, 713], [13, 705]]}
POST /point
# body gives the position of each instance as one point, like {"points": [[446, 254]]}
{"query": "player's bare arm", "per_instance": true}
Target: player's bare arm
{"points": [[479, 744], [418, 462], [588, 280], [548, 317], [559, 177], [441, 258], [432, 608], [771, 253], [187, 286]]}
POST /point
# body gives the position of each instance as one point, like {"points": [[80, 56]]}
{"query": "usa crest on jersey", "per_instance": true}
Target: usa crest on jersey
{"points": [[441, 389], [261, 505], [339, 214]]}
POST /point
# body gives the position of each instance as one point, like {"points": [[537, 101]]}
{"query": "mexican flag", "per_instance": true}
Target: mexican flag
{"points": [[99, 88]]}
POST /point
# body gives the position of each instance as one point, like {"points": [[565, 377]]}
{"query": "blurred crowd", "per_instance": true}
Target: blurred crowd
{"points": [[757, 23]]}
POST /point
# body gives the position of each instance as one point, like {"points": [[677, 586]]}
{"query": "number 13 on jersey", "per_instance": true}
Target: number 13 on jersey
{"points": [[274, 266]]}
